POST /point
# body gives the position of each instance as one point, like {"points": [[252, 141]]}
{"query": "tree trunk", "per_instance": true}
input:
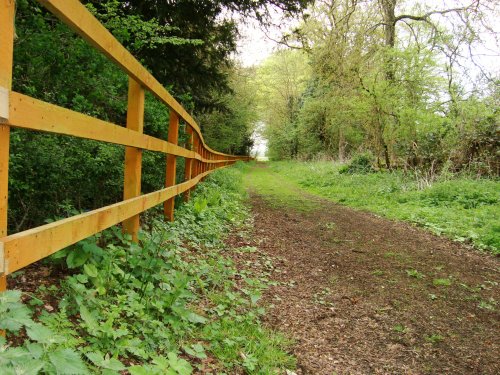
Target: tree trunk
{"points": [[389, 10]]}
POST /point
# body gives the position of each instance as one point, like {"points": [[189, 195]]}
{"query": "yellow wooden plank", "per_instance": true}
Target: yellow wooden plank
{"points": [[196, 163], [77, 17], [7, 14], [133, 155], [7, 11], [188, 163], [34, 114], [24, 248], [30, 113], [173, 137]]}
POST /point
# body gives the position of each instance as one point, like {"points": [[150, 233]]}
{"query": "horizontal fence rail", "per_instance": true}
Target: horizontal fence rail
{"points": [[20, 111]]}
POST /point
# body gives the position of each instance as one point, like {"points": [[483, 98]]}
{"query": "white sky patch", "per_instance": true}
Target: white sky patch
{"points": [[259, 148], [258, 43]]}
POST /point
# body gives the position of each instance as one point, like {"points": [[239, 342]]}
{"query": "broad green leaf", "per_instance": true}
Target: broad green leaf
{"points": [[36, 350], [140, 370], [29, 367], [14, 316], [82, 278], [106, 362], [178, 364], [188, 315], [88, 318], [195, 350], [41, 334], [77, 258], [254, 297], [10, 296], [68, 362], [90, 270]]}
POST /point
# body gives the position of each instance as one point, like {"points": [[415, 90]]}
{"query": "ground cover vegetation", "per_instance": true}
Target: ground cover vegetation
{"points": [[173, 304]]}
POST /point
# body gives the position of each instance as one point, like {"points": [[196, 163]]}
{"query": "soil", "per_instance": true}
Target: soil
{"points": [[360, 294]]}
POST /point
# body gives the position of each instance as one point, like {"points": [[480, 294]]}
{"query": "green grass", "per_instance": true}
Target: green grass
{"points": [[275, 191], [464, 209]]}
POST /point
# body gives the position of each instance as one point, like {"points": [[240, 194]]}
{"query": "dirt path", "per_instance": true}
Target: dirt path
{"points": [[365, 295]]}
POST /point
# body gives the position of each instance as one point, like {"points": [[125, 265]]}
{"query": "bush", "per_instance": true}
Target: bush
{"points": [[359, 164]]}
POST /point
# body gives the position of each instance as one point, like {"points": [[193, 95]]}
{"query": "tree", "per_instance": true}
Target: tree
{"points": [[197, 69], [389, 77]]}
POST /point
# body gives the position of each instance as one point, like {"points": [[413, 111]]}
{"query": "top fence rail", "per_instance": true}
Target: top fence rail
{"points": [[21, 111]]}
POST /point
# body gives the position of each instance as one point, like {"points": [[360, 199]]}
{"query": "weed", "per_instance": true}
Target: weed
{"points": [[399, 328], [378, 273], [415, 274], [490, 304], [441, 282], [330, 225], [321, 297], [434, 338]]}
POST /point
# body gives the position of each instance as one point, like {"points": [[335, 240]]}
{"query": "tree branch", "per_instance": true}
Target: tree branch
{"points": [[425, 17]]}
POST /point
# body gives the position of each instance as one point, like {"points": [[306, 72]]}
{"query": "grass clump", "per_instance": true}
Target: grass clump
{"points": [[162, 306], [441, 282]]}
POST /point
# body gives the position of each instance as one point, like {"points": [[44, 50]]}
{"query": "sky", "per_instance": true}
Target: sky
{"points": [[256, 43]]}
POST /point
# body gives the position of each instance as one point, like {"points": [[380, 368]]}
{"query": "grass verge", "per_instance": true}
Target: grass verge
{"points": [[168, 305], [464, 209]]}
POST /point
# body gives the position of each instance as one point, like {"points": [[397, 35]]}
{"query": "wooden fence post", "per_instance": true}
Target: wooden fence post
{"points": [[173, 137], [195, 163], [7, 14], [133, 155], [188, 163], [204, 164]]}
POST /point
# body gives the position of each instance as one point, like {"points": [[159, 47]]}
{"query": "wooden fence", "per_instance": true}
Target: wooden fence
{"points": [[21, 111]]}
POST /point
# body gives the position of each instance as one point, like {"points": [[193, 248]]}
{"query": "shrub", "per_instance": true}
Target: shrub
{"points": [[359, 164]]}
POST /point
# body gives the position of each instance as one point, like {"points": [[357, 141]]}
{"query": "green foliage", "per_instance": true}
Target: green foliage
{"points": [[434, 338], [441, 282], [415, 274], [409, 100], [359, 164], [229, 129], [148, 303], [44, 351], [14, 314]]}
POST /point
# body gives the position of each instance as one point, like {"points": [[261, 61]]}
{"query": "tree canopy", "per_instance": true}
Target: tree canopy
{"points": [[396, 79]]}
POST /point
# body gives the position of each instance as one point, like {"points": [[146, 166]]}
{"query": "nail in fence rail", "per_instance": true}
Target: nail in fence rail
{"points": [[17, 110]]}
